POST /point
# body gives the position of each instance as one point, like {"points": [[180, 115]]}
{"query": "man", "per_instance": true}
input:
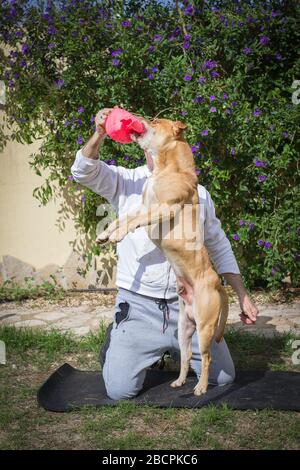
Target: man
{"points": [[147, 307]]}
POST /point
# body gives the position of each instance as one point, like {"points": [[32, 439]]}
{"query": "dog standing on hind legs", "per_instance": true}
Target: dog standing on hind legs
{"points": [[168, 192]]}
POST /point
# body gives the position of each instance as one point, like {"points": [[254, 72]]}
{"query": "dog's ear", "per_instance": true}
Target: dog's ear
{"points": [[178, 127]]}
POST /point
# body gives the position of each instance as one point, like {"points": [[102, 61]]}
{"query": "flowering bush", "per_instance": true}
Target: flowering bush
{"points": [[225, 67]]}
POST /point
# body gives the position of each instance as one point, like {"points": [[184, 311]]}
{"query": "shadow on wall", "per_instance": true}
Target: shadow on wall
{"points": [[72, 275]]}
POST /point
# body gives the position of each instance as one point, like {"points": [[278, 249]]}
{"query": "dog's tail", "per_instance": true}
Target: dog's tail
{"points": [[223, 314]]}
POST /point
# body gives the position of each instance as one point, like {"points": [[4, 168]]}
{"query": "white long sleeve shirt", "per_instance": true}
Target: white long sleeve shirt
{"points": [[142, 266]]}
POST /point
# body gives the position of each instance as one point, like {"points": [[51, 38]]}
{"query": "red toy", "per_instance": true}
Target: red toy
{"points": [[120, 123]]}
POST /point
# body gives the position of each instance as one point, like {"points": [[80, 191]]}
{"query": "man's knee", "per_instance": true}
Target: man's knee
{"points": [[226, 376], [120, 391]]}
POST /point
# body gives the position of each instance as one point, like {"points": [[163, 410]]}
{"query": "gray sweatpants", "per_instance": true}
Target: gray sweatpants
{"points": [[143, 329]]}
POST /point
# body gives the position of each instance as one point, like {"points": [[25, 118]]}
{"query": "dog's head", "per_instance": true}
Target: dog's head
{"points": [[159, 134]]}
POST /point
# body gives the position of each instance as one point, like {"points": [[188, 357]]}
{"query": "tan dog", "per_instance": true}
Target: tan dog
{"points": [[171, 204]]}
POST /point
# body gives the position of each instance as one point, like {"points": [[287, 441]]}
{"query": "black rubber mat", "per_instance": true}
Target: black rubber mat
{"points": [[68, 388]]}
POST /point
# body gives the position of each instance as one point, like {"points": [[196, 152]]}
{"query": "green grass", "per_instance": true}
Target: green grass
{"points": [[12, 291], [33, 354]]}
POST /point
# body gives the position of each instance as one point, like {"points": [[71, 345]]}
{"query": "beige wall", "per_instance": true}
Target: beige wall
{"points": [[27, 230]]}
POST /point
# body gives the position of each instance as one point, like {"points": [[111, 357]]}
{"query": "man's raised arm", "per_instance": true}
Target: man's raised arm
{"points": [[105, 180]]}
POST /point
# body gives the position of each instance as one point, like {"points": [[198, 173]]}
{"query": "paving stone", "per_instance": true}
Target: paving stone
{"points": [[81, 330], [71, 322], [50, 316], [31, 323]]}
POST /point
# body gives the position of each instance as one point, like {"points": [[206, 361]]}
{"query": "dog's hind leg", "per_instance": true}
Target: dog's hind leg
{"points": [[207, 306], [186, 329]]}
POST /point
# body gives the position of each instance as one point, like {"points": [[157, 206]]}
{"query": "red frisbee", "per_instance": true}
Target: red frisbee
{"points": [[120, 123]]}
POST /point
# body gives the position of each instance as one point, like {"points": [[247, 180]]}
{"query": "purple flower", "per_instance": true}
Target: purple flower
{"points": [[274, 271], [117, 52], [25, 49], [23, 63], [126, 157], [213, 109], [154, 69], [111, 162], [264, 40], [71, 178], [209, 64], [116, 62], [261, 178], [67, 123], [80, 110], [251, 226], [214, 74], [268, 245], [83, 199], [189, 10], [204, 132], [59, 83], [225, 96], [257, 112], [126, 24], [157, 37], [278, 56], [241, 222], [194, 149], [151, 49], [47, 17], [247, 50], [150, 76], [228, 111], [233, 151], [234, 104], [201, 79], [52, 30], [80, 140], [285, 134], [212, 98], [187, 78], [197, 171], [51, 45], [186, 45], [199, 99], [259, 163], [235, 237], [261, 243]]}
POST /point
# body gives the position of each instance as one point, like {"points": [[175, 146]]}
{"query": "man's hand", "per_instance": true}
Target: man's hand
{"points": [[100, 120], [249, 311], [91, 149]]}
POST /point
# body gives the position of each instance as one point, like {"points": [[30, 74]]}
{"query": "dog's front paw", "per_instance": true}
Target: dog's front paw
{"points": [[102, 238], [177, 383], [200, 389], [118, 234]]}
